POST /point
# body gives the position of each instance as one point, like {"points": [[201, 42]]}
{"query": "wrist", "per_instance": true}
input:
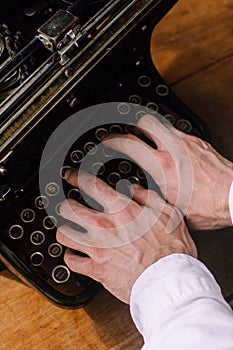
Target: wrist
{"points": [[224, 201], [211, 208]]}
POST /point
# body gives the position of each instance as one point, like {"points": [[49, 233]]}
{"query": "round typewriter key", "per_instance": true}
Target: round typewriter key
{"points": [[113, 178], [134, 180], [63, 171], [74, 193], [170, 118], [41, 202], [140, 114], [76, 156], [90, 148], [115, 128], [152, 106], [108, 152], [27, 215], [57, 208], [16, 232], [37, 259], [135, 99], [144, 81], [61, 274], [49, 222], [162, 90], [98, 168], [100, 132], [184, 125], [123, 108], [125, 167], [55, 250], [140, 174], [129, 128], [52, 189], [37, 237]]}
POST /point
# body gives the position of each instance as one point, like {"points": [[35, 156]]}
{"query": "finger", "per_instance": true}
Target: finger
{"points": [[137, 137], [144, 155], [152, 200], [106, 230], [79, 214], [151, 129], [145, 136], [176, 161], [97, 227], [146, 197], [90, 245], [66, 241], [79, 264], [142, 137], [97, 189], [100, 228], [170, 141], [159, 130]]}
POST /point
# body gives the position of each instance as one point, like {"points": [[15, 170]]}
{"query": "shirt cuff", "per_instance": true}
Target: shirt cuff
{"points": [[167, 283], [230, 201]]}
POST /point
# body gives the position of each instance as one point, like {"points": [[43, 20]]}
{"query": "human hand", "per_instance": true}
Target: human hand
{"points": [[121, 242], [191, 174]]}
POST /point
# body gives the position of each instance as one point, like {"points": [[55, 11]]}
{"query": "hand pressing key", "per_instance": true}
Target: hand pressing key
{"points": [[124, 239], [192, 175]]}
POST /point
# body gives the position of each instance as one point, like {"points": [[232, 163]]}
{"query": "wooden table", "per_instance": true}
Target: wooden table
{"points": [[193, 49]]}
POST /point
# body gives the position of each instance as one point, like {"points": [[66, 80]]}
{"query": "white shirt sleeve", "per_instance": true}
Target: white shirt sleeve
{"points": [[176, 304], [230, 202]]}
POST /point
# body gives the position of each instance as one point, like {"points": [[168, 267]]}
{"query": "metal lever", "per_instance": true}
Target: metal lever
{"points": [[53, 32]]}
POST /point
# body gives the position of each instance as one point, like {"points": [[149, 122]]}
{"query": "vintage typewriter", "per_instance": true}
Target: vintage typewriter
{"points": [[58, 58]]}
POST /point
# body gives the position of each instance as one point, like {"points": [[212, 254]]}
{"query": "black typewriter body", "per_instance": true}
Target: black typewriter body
{"points": [[61, 59]]}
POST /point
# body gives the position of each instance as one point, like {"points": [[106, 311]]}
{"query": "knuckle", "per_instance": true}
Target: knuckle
{"points": [[167, 209], [104, 223], [96, 221], [100, 256], [71, 262], [99, 271], [165, 160]]}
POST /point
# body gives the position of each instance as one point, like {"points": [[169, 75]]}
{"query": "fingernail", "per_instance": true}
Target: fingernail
{"points": [[67, 174], [136, 186]]}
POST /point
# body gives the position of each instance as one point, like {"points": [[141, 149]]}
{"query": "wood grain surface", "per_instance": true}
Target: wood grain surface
{"points": [[193, 49]]}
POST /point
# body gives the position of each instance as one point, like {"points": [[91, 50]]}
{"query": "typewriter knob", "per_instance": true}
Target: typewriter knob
{"points": [[69, 72]]}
